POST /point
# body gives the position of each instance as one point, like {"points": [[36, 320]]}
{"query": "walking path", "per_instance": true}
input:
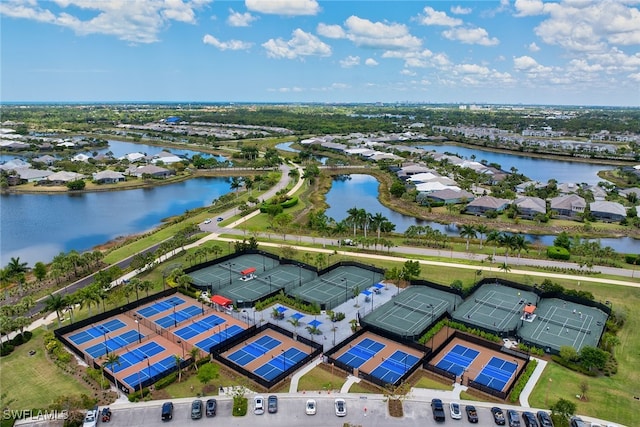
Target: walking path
{"points": [[533, 380]]}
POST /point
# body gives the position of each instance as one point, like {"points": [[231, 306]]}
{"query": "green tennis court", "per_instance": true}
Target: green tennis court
{"points": [[217, 277], [336, 286], [412, 311]]}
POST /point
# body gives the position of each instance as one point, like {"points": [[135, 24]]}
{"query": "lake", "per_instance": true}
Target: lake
{"points": [[361, 191], [37, 227], [537, 169]]}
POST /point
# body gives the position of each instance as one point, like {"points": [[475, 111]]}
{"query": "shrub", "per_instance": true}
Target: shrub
{"points": [[166, 381], [522, 381], [632, 259], [6, 349], [136, 395], [557, 252], [240, 405]]}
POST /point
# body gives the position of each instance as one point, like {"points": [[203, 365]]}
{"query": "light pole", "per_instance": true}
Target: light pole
{"points": [[138, 323], [202, 302], [334, 335], [299, 274], [182, 346], [175, 319], [284, 362], [230, 265], [269, 277], [104, 334], [148, 366]]}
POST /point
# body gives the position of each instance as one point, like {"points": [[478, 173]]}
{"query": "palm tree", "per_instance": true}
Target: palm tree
{"points": [[467, 231], [520, 243], [377, 221], [195, 353], [482, 231], [15, 267], [352, 219], [178, 361], [505, 267], [493, 236], [295, 322], [55, 303], [111, 360], [146, 286]]}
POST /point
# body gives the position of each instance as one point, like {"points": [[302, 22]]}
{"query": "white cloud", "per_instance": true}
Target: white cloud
{"points": [[237, 19], [412, 59], [370, 62], [472, 69], [459, 10], [301, 44], [471, 36], [284, 7], [434, 17], [635, 76], [528, 64], [407, 72], [331, 31], [350, 61], [228, 45], [529, 7], [380, 35], [137, 21], [533, 47]]}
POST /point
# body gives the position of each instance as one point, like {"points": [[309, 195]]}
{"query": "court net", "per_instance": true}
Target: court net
{"points": [[501, 307], [340, 285], [564, 325], [408, 307]]}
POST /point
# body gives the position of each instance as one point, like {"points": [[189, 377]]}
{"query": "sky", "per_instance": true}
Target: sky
{"points": [[566, 52]]}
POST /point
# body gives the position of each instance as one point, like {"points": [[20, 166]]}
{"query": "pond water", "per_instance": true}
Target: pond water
{"points": [[537, 169], [286, 146], [361, 191], [37, 227]]}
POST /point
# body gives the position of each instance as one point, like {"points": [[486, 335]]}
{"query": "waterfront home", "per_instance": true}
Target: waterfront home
{"points": [[608, 211], [567, 187], [423, 177], [61, 178], [15, 164], [568, 206], [599, 193], [108, 177], [529, 207], [411, 170], [31, 175], [151, 170], [133, 157], [46, 159], [449, 196], [522, 187], [167, 158], [484, 204], [80, 157]]}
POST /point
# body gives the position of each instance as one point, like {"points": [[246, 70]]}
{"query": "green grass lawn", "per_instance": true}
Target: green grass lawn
{"points": [[319, 379], [34, 381], [426, 382]]}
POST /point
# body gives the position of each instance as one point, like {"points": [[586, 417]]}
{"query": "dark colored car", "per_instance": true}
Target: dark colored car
{"points": [[196, 409], [498, 416], [272, 404], [438, 410], [472, 414], [212, 406], [544, 419], [167, 411], [513, 418], [529, 419], [577, 422]]}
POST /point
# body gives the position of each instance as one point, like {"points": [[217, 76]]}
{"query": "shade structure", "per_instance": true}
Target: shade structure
{"points": [[220, 300], [281, 309], [248, 271], [297, 316], [315, 323], [379, 285], [366, 292]]}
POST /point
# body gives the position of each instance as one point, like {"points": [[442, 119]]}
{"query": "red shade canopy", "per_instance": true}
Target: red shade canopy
{"points": [[220, 300], [248, 271]]}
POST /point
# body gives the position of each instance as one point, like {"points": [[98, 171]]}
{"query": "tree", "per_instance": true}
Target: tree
{"points": [[563, 240], [584, 388], [76, 185], [15, 267], [410, 270], [592, 357], [504, 267], [178, 361], [55, 303], [468, 232], [482, 230], [563, 408], [40, 270], [112, 360], [195, 354], [568, 353], [208, 372]]}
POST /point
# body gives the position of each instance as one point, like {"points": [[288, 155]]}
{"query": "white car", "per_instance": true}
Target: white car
{"points": [[456, 413], [91, 418], [207, 221], [341, 407], [258, 405], [310, 407]]}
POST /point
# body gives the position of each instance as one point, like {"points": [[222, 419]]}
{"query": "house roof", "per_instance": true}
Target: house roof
{"points": [[531, 203], [489, 202], [451, 194], [608, 207], [150, 169], [107, 175], [431, 186], [15, 164], [26, 173], [568, 202], [65, 176]]}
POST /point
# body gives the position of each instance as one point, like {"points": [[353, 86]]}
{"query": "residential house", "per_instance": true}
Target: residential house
{"points": [[61, 178], [166, 158], [483, 204], [599, 193], [133, 157], [108, 177], [152, 170], [522, 187], [529, 207], [46, 159], [567, 187], [568, 205], [32, 175], [608, 211], [449, 196], [80, 157], [14, 164]]}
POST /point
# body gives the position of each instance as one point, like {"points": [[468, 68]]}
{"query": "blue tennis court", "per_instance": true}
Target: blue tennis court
{"points": [[179, 316], [458, 359], [113, 344], [253, 350], [136, 355], [160, 306], [97, 331], [223, 335], [361, 352], [497, 373], [196, 328], [395, 366], [280, 364]]}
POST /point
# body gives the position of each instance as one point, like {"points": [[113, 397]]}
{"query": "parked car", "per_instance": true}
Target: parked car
{"points": [[498, 416], [167, 411], [472, 414], [438, 410], [207, 221], [219, 219], [544, 419], [258, 405], [513, 418], [310, 407], [211, 408], [106, 415], [91, 418], [456, 413], [272, 404], [529, 419], [341, 407], [577, 422], [196, 409]]}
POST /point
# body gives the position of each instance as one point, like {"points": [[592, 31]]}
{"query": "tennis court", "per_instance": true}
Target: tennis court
{"points": [[137, 355], [361, 352], [395, 366], [160, 306], [495, 307], [199, 327], [97, 331], [337, 286], [458, 359], [412, 311], [113, 344], [253, 350], [560, 323], [282, 363], [222, 335], [153, 370], [497, 373], [218, 276], [179, 316]]}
